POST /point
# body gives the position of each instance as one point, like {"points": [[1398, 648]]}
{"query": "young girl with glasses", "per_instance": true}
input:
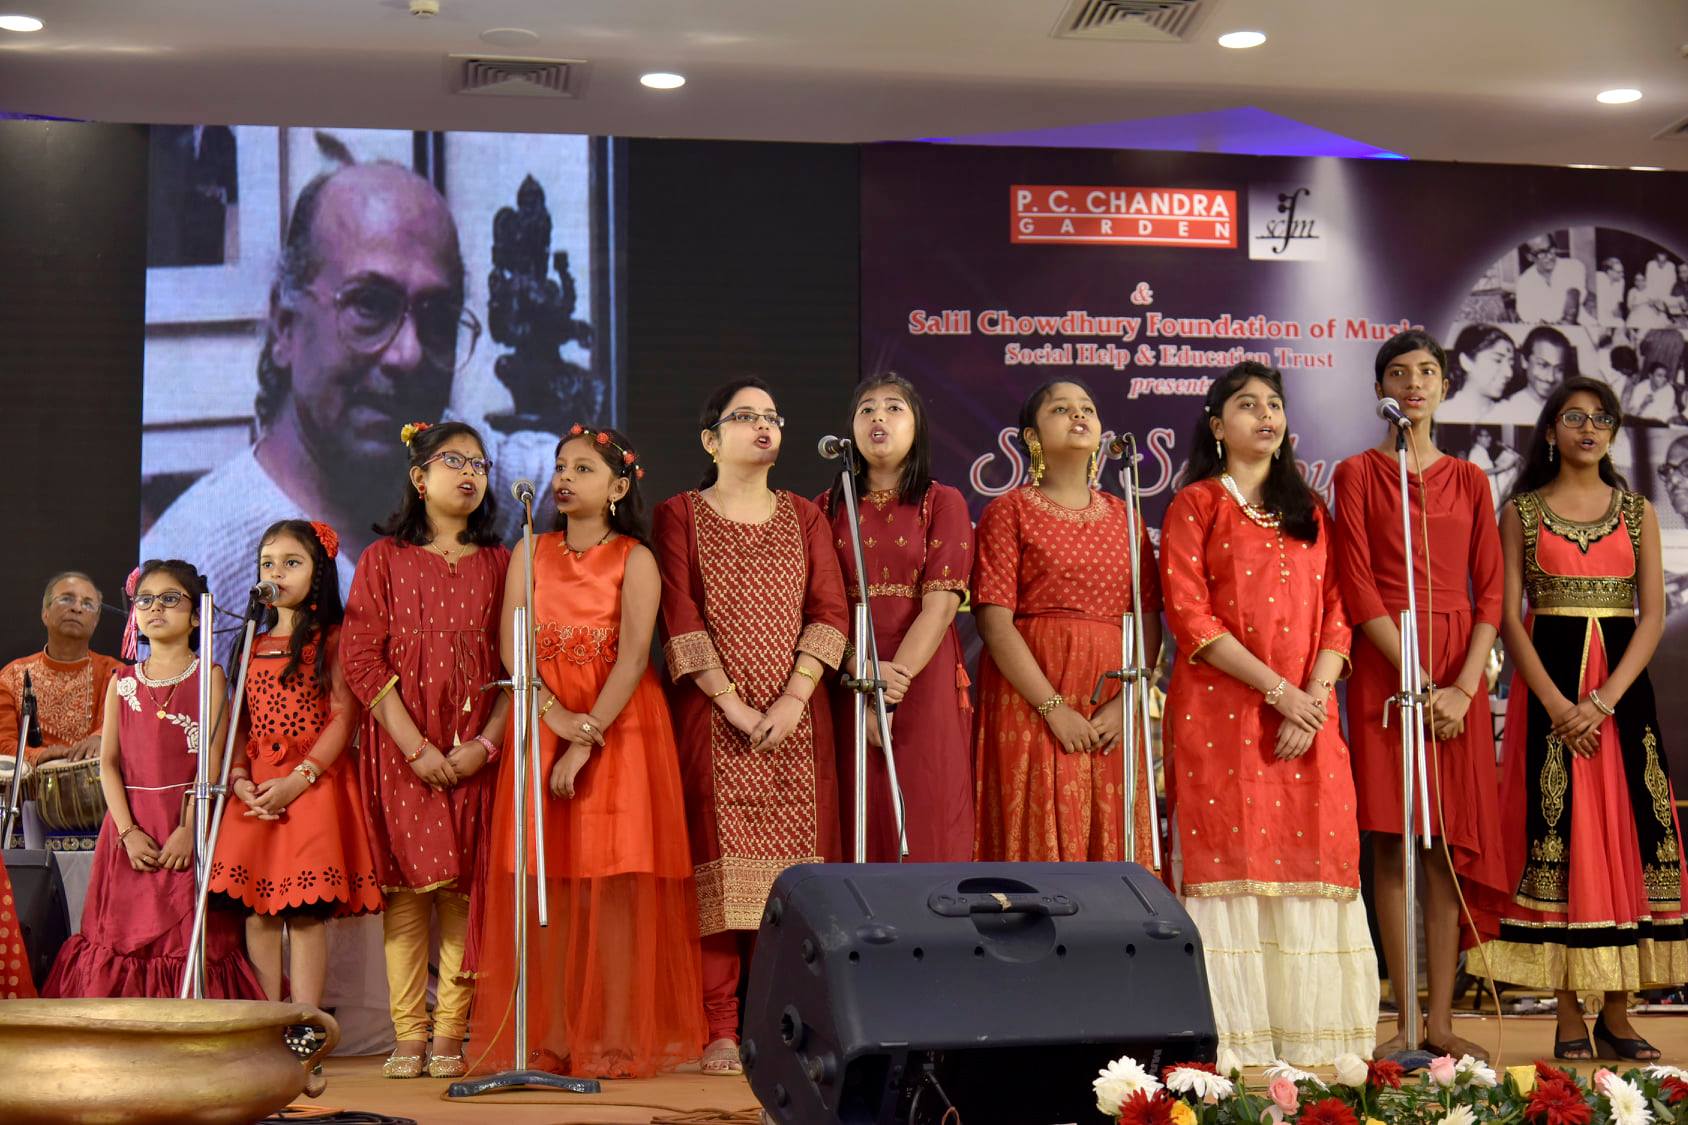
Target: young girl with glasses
{"points": [[138, 917], [419, 645]]}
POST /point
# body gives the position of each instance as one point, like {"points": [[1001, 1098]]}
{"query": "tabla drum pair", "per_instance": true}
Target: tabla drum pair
{"points": [[69, 801]]}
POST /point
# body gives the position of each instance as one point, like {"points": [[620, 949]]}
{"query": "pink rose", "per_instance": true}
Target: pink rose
{"points": [[1601, 1077], [1442, 1070], [1284, 1094]]}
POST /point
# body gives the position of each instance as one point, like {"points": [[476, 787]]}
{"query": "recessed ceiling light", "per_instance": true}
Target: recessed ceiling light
{"points": [[1241, 40], [662, 80], [20, 23], [509, 36], [1620, 96], [1588, 165], [1644, 168]]}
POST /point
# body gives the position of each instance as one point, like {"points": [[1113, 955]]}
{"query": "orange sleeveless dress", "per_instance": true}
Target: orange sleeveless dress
{"points": [[614, 981]]}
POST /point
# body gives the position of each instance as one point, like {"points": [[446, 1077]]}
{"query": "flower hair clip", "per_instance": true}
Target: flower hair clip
{"points": [[629, 459], [132, 628], [328, 537], [411, 429]]}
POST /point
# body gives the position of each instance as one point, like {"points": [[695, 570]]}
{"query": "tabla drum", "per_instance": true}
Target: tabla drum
{"points": [[67, 795]]}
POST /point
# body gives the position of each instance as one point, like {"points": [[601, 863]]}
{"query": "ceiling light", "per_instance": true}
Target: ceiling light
{"points": [[1588, 165], [1241, 40], [1644, 168], [662, 80], [20, 23], [1618, 97]]}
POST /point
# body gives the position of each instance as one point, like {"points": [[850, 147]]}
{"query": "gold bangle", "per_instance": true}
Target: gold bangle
{"points": [[805, 673], [1277, 692], [1049, 705], [309, 770], [728, 690], [123, 834], [547, 705]]}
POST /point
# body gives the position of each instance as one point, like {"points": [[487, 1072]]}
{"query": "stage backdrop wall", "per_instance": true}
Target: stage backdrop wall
{"points": [[986, 271]]}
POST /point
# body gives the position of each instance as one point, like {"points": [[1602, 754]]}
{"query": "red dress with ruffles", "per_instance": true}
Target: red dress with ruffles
{"points": [[1066, 577], [316, 855]]}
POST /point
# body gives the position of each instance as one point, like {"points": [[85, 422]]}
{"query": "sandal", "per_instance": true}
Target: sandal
{"points": [[1574, 1050], [1631, 1050], [402, 1066], [721, 1058], [447, 1066]]}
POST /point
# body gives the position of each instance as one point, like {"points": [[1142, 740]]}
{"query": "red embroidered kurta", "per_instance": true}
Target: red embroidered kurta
{"points": [[419, 627], [69, 697], [747, 598], [912, 550], [15, 980], [1458, 589], [1249, 823], [1066, 576]]}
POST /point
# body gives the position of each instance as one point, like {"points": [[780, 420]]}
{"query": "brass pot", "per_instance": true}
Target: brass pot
{"points": [[151, 1062]]}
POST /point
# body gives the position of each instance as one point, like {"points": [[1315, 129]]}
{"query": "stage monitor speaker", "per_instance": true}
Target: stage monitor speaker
{"points": [[38, 899], [887, 993]]}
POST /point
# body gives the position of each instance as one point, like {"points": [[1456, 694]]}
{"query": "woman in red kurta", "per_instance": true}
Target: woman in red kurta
{"points": [[753, 608], [1458, 593], [15, 980], [917, 539], [419, 643], [1258, 777], [1050, 584]]}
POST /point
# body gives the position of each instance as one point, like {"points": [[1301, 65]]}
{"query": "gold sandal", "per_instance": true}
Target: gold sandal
{"points": [[446, 1066], [402, 1066], [721, 1058]]}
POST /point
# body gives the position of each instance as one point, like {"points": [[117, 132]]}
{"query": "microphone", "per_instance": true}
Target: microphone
{"points": [[832, 448], [1390, 411], [1119, 446], [265, 592], [522, 490], [32, 737]]}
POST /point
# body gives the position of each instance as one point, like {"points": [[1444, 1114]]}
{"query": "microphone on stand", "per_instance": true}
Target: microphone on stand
{"points": [[1117, 448], [522, 490], [1390, 411], [265, 592], [831, 448]]}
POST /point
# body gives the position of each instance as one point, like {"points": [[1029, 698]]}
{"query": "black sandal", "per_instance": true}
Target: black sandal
{"points": [[1562, 1049], [1629, 1050]]}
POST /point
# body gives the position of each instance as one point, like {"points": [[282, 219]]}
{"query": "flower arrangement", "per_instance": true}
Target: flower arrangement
{"points": [[1462, 1091]]}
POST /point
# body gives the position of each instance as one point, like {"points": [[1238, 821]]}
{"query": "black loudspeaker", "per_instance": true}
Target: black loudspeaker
{"points": [[38, 899], [887, 993]]}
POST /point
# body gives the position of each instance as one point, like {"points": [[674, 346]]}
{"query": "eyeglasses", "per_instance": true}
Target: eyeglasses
{"points": [[751, 417], [368, 315], [1576, 418], [71, 601], [480, 466], [169, 600], [1674, 470]]}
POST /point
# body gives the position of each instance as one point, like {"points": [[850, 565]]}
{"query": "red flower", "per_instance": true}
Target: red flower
{"points": [[327, 536], [1674, 1090], [603, 438], [1548, 1073], [1142, 1109], [1384, 1072], [1330, 1111], [1555, 1102], [628, 458], [576, 430], [1166, 1071]]}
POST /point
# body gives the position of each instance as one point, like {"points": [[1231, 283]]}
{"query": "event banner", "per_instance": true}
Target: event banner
{"points": [[987, 271]]}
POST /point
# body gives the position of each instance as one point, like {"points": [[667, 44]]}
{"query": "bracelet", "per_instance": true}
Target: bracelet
{"points": [[1277, 692], [1049, 705], [728, 690], [1326, 684], [1457, 686], [1600, 704], [549, 703], [123, 834], [795, 696], [310, 769], [420, 747], [805, 673], [492, 750]]}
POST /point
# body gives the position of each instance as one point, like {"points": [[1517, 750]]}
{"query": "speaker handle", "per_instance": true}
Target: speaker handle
{"points": [[958, 905]]}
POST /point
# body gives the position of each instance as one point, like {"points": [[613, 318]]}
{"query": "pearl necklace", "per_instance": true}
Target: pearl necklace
{"points": [[1254, 512]]}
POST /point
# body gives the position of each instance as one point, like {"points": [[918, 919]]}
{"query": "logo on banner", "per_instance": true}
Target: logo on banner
{"points": [[1123, 216], [1281, 226]]}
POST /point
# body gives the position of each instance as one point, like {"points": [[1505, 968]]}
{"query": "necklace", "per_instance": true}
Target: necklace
{"points": [[1254, 512], [580, 552], [450, 557], [174, 682]]}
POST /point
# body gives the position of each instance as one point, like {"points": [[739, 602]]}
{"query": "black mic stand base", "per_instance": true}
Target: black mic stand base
{"points": [[506, 1080]]}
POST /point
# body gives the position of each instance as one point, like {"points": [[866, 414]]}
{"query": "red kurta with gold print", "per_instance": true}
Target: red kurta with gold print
{"points": [[1249, 823], [747, 598]]}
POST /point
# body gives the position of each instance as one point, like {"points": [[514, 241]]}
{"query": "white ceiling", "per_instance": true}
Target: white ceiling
{"points": [[1481, 80]]}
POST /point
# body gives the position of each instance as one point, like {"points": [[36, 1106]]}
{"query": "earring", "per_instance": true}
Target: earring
{"points": [[1095, 465], [1036, 448], [1279, 452], [313, 607], [612, 507], [714, 458], [1219, 448], [421, 492], [1551, 450]]}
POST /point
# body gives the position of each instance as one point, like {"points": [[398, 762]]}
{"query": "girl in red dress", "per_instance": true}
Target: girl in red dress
{"points": [[15, 981], [138, 915], [1459, 590], [1593, 842], [1258, 778], [298, 853], [1050, 584], [613, 983], [419, 644], [753, 608], [918, 541]]}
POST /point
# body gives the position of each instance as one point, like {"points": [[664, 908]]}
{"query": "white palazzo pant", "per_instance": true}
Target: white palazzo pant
{"points": [[1292, 978]]}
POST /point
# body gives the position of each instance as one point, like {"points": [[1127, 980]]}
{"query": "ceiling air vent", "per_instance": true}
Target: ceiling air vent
{"points": [[503, 76], [1675, 131], [1142, 21]]}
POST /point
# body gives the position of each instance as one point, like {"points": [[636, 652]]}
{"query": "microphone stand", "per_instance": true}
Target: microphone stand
{"points": [[1411, 703], [210, 800], [1135, 676], [865, 678], [12, 807], [526, 779]]}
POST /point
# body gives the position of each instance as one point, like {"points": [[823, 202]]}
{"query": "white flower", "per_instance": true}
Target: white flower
{"points": [[1629, 1104], [1281, 1069], [1189, 1080], [1475, 1072], [1351, 1069], [1658, 1071], [1459, 1115], [1116, 1082]]}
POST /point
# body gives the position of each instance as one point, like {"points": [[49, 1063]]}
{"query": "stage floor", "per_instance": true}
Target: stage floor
{"points": [[356, 1083]]}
